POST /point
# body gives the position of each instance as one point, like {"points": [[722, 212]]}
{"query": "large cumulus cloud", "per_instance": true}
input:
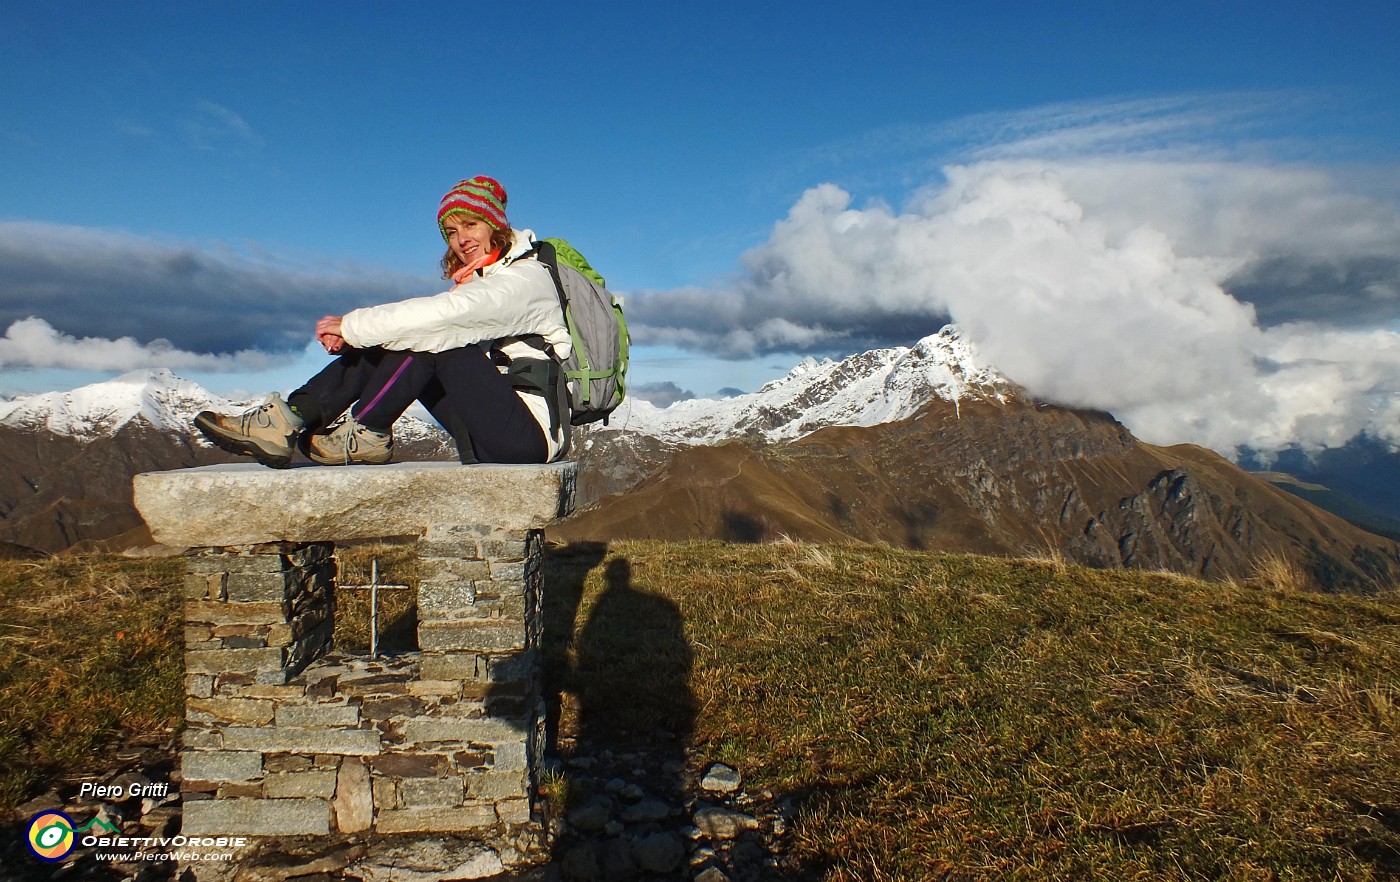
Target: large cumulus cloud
{"points": [[1222, 302]]}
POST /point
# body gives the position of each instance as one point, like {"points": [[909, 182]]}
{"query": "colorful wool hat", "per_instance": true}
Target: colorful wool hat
{"points": [[481, 196]]}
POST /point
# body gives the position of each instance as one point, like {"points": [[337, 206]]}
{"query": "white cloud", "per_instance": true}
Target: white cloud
{"points": [[1223, 303], [34, 343], [213, 126]]}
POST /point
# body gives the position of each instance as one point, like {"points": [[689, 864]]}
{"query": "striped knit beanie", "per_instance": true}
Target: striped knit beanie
{"points": [[481, 196]]}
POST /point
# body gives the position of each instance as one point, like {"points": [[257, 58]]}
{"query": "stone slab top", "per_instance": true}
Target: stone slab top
{"points": [[248, 504]]}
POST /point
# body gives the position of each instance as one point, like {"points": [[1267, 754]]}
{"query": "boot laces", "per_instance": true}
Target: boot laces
{"points": [[350, 431], [258, 416]]}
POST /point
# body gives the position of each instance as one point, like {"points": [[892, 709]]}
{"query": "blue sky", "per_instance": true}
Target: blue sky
{"points": [[218, 175]]}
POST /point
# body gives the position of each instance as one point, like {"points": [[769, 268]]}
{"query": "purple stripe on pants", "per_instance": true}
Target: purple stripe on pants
{"points": [[375, 400]]}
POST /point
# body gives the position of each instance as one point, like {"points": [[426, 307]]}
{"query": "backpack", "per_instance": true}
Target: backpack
{"points": [[596, 370]]}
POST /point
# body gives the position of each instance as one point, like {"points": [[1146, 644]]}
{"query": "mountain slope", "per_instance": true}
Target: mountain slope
{"points": [[921, 447], [67, 458], [997, 477]]}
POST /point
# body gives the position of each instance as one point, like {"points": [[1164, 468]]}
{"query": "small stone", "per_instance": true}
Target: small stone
{"points": [[632, 792], [163, 820], [721, 823], [353, 802], [659, 853], [722, 779], [711, 874], [111, 815], [484, 864], [613, 828], [615, 785], [126, 782], [702, 855], [593, 815], [45, 802], [646, 811], [424, 860]]}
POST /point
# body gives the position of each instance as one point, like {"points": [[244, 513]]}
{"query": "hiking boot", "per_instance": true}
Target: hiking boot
{"points": [[349, 443], [266, 433]]}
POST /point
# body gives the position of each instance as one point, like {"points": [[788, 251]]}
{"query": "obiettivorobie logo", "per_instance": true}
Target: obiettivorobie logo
{"points": [[51, 835]]}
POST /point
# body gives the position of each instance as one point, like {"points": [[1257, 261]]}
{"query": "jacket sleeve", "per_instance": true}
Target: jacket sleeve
{"points": [[517, 300]]}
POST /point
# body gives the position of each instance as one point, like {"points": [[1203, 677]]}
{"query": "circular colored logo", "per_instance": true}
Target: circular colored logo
{"points": [[50, 836]]}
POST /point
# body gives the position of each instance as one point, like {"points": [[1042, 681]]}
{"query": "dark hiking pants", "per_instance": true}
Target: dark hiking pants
{"points": [[461, 388]]}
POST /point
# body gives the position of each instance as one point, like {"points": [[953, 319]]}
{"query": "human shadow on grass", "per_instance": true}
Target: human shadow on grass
{"points": [[622, 714], [618, 670]]}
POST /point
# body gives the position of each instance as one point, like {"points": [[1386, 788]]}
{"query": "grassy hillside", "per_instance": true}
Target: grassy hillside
{"points": [[956, 717], [931, 716], [89, 648]]}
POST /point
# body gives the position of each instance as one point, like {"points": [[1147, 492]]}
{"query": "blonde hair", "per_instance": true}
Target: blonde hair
{"points": [[501, 240]]}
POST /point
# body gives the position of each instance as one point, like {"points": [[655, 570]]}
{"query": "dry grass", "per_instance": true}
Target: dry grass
{"points": [[397, 564], [1278, 573], [89, 649], [949, 717], [934, 716]]}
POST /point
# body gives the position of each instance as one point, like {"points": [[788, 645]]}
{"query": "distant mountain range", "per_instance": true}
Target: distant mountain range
{"points": [[920, 447], [67, 458], [926, 447], [1363, 476]]}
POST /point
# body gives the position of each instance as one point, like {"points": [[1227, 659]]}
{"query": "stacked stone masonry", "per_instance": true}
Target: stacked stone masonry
{"points": [[286, 737]]}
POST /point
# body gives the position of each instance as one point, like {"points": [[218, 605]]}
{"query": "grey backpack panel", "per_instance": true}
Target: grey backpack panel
{"points": [[596, 370]]}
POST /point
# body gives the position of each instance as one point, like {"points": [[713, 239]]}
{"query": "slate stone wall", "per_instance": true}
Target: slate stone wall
{"points": [[286, 736]]}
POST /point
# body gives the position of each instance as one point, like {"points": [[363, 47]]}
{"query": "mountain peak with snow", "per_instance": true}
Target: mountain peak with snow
{"points": [[157, 396], [866, 389], [166, 401]]}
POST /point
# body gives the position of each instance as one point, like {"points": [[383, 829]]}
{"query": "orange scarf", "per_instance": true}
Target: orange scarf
{"points": [[465, 273]]}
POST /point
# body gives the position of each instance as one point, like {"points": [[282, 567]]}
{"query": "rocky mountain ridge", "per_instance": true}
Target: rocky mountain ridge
{"points": [[866, 389], [920, 446], [1006, 478], [930, 449]]}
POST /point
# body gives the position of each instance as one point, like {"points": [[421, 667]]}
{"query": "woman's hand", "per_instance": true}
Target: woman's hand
{"points": [[328, 334]]}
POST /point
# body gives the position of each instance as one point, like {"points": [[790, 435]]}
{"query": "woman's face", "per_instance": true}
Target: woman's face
{"points": [[468, 236]]}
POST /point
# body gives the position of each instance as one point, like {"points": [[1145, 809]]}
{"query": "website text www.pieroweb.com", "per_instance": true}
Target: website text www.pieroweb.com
{"points": [[53, 836]]}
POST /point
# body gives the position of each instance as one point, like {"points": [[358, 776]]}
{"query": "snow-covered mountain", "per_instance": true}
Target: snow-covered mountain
{"points": [[929, 448], [867, 389], [880, 386], [67, 458], [157, 397], [66, 477], [165, 401]]}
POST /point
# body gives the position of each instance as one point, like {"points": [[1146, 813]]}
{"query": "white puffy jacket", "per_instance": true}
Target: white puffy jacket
{"points": [[511, 298]]}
